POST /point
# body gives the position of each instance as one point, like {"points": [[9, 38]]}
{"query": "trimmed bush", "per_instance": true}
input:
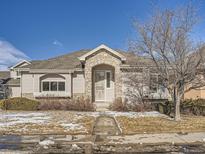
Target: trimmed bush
{"points": [[78, 104], [19, 103], [196, 107], [188, 107]]}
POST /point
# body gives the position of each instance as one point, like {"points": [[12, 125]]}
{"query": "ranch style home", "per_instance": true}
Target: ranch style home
{"points": [[98, 74]]}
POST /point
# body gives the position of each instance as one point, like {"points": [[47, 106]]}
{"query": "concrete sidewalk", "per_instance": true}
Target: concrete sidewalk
{"points": [[98, 144], [170, 138]]}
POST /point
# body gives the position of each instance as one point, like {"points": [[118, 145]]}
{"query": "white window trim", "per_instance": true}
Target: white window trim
{"points": [[49, 81]]}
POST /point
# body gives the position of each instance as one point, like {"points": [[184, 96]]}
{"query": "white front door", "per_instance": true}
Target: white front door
{"points": [[104, 85], [99, 85]]}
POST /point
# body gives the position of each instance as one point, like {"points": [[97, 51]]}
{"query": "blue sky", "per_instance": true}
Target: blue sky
{"points": [[39, 29]]}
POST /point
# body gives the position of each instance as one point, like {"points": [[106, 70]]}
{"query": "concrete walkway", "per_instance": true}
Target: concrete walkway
{"points": [[106, 125]]}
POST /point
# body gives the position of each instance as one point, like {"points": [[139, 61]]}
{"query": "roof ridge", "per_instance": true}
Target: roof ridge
{"points": [[69, 53]]}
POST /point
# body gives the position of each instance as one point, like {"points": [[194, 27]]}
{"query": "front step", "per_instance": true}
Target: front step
{"points": [[102, 106]]}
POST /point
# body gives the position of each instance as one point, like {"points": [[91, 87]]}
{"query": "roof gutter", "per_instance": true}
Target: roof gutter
{"points": [[54, 70]]}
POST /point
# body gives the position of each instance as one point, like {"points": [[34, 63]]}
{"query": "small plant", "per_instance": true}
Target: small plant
{"points": [[119, 105], [83, 104], [124, 105]]}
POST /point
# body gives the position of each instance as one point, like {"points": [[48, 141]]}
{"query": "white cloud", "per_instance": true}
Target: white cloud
{"points": [[9, 55], [57, 43]]}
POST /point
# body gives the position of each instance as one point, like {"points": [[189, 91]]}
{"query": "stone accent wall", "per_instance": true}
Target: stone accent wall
{"points": [[102, 57]]}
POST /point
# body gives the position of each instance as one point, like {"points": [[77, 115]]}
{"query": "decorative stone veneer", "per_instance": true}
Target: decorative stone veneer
{"points": [[102, 57]]}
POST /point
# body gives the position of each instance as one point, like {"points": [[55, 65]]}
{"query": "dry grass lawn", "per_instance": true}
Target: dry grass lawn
{"points": [[49, 122], [160, 125]]}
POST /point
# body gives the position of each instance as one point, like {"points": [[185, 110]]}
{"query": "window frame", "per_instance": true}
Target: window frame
{"points": [[156, 85], [107, 79], [63, 83], [52, 84], [57, 86], [42, 89]]}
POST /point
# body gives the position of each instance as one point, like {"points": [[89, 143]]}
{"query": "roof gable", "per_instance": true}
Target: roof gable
{"points": [[83, 57], [21, 63]]}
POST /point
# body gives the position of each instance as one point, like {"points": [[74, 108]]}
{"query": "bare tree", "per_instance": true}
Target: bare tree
{"points": [[166, 39], [135, 87]]}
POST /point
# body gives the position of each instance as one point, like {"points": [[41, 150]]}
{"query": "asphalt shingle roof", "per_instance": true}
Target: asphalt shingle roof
{"points": [[13, 82], [71, 61], [4, 74], [67, 61]]}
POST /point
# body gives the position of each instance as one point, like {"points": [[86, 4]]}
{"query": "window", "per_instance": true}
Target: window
{"points": [[153, 83], [108, 79], [18, 73], [45, 86], [61, 86], [53, 86]]}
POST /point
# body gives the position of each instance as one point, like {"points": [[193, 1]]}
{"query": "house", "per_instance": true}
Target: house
{"points": [[98, 74]]}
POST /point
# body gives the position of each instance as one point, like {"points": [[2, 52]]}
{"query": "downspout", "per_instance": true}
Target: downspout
{"points": [[71, 78], [21, 83]]}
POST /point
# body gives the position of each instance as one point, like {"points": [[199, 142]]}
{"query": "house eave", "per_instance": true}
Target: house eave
{"points": [[54, 70]]}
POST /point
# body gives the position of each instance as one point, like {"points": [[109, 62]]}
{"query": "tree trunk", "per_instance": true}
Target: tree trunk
{"points": [[177, 109], [176, 101]]}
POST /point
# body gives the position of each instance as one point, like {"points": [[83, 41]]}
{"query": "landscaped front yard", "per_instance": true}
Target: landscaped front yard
{"points": [[141, 125], [66, 122]]}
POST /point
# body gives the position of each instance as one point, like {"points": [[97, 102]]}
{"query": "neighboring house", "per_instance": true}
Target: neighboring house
{"points": [[98, 73], [6, 84]]}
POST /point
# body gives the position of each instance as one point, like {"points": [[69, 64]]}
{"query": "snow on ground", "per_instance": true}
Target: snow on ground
{"points": [[135, 114], [9, 119], [31, 122], [126, 114], [72, 126], [46, 143]]}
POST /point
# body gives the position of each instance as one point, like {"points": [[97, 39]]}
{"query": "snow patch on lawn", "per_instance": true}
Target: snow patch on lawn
{"points": [[36, 114], [9, 119], [126, 114], [135, 114], [46, 143], [83, 114], [72, 126]]}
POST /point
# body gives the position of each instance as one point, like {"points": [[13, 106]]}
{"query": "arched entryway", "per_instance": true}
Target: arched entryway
{"points": [[103, 83]]}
